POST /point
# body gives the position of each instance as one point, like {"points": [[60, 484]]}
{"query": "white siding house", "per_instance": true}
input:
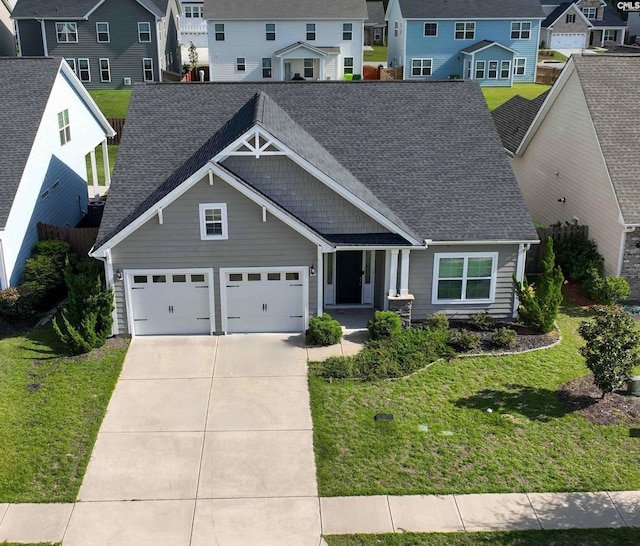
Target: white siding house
{"points": [[7, 30]]}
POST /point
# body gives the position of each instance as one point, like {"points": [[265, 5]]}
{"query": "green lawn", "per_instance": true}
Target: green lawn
{"points": [[379, 53], [51, 408], [114, 103], [554, 57], [573, 537], [495, 96], [528, 443], [113, 152]]}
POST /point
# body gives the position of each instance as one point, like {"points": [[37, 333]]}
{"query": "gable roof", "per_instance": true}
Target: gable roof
{"points": [[561, 10], [484, 44], [470, 9], [375, 14], [610, 18], [514, 117], [73, 9], [285, 9]]}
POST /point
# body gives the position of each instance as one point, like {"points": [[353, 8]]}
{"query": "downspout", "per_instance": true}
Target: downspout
{"points": [[3, 273], [108, 271], [43, 30], [520, 270]]}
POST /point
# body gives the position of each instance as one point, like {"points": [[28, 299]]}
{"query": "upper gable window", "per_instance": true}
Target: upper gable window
{"points": [[431, 29], [144, 32], [64, 127], [270, 31], [67, 32], [465, 31], [311, 32], [213, 221], [464, 278], [347, 31], [570, 18], [521, 31], [590, 13], [219, 32], [102, 32]]}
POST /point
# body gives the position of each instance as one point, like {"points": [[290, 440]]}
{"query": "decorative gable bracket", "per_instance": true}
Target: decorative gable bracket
{"points": [[255, 143]]}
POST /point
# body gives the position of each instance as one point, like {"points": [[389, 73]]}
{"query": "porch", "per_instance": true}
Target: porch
{"points": [[302, 61]]}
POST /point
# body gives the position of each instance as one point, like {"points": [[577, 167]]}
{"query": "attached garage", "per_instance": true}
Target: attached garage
{"points": [[162, 302], [568, 40], [264, 300]]}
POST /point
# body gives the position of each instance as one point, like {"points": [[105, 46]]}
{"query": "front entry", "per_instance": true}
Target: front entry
{"points": [[349, 277], [287, 71]]}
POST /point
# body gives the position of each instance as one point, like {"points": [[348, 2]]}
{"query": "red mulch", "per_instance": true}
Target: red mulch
{"points": [[572, 290]]}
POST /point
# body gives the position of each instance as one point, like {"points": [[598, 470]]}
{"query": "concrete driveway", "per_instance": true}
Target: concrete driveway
{"points": [[207, 440]]}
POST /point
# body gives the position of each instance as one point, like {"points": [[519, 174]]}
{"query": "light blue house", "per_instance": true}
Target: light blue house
{"points": [[492, 41]]}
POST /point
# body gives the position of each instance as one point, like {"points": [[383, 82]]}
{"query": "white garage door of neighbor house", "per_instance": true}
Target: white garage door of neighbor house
{"points": [[571, 40], [265, 301], [169, 302]]}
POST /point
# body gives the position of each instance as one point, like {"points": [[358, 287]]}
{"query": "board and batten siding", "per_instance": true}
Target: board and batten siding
{"points": [[306, 197], [176, 243], [247, 39], [421, 282], [564, 160]]}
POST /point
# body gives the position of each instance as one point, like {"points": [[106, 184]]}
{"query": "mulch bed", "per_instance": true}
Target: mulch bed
{"points": [[572, 289]]}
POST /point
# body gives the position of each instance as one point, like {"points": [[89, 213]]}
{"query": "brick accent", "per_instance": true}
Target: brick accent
{"points": [[631, 263], [401, 305]]}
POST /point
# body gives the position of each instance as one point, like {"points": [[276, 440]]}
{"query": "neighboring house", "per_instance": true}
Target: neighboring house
{"points": [[578, 25], [193, 30], [276, 203], [492, 41], [633, 23], [49, 123], [578, 160], [7, 29], [278, 40], [375, 27], [110, 44]]}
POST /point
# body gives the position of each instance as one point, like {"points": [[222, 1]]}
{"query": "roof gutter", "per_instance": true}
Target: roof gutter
{"points": [[429, 242]]}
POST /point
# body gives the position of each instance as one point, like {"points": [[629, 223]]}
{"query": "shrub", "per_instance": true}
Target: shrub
{"points": [[323, 330], [483, 321], [438, 321], [20, 302], [465, 340], [357, 77], [338, 367], [604, 290], [504, 337], [45, 268], [576, 256], [384, 324]]}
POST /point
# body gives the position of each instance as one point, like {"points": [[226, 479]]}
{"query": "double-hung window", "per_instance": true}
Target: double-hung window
{"points": [[464, 278], [105, 70], [519, 66], [505, 70], [308, 68], [348, 65], [610, 35], [241, 64], [266, 67], [480, 66], [147, 69], [102, 32], [72, 64], [213, 221], [67, 32], [219, 32], [311, 32], [144, 32], [521, 30], [492, 72], [465, 31], [84, 70], [421, 67], [590, 13], [193, 12], [431, 29], [347, 31], [270, 31], [64, 127]]}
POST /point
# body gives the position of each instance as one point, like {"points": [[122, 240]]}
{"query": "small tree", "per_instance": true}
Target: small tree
{"points": [[193, 55], [539, 302], [612, 349]]}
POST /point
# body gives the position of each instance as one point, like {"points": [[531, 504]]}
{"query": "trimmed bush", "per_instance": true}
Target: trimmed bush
{"points": [[504, 337], [483, 321], [604, 290], [576, 256], [323, 331], [465, 340], [20, 302], [384, 324], [45, 268], [438, 321]]}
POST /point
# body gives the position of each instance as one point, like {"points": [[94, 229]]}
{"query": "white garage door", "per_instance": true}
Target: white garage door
{"points": [[169, 302], [568, 40], [265, 300]]}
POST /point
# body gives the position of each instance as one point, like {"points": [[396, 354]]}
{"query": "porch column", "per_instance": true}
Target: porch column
{"points": [[404, 272], [321, 75], [320, 281], [105, 161], [393, 273], [94, 172], [281, 69]]}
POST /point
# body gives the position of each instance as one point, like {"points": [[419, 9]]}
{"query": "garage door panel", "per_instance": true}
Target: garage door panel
{"points": [[568, 40]]}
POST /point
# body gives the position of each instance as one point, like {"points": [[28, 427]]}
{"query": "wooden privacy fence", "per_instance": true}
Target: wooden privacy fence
{"points": [[537, 252], [547, 74], [394, 73], [118, 126], [80, 239]]}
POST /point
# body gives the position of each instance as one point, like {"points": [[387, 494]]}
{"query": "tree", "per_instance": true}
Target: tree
{"points": [[612, 349], [193, 55], [539, 302]]}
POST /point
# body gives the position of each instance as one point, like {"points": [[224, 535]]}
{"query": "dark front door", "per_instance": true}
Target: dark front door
{"points": [[349, 277]]}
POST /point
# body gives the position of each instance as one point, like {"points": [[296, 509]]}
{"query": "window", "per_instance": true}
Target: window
{"points": [[266, 67], [311, 31], [590, 13], [213, 221], [241, 64], [144, 32], [254, 277], [396, 29], [570, 18], [197, 278], [67, 32], [610, 35], [105, 70], [140, 279], [348, 65], [308, 68], [235, 277], [273, 276], [44, 195], [505, 70], [465, 31], [480, 70], [431, 29], [159, 278], [421, 67], [347, 31], [193, 12], [179, 278], [64, 128], [492, 72], [292, 276], [102, 32], [521, 31], [84, 70], [464, 277], [270, 31], [72, 64], [219, 30], [147, 69], [377, 34], [519, 66]]}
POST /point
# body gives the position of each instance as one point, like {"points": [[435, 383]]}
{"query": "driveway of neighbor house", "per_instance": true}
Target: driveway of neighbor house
{"points": [[212, 437]]}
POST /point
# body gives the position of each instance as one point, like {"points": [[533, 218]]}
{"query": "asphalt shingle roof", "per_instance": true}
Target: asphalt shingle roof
{"points": [[440, 169], [72, 9], [514, 117], [375, 12], [285, 9], [610, 84], [470, 9], [553, 16], [21, 77], [478, 45], [610, 18]]}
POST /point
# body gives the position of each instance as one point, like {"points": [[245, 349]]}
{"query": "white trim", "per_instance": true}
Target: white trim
{"points": [[387, 279], [339, 248], [520, 268], [492, 44], [425, 35], [393, 273], [484, 242], [110, 281], [66, 33], [203, 208], [623, 243], [577, 10], [421, 67], [98, 32], [404, 272], [88, 69], [144, 70], [465, 23], [515, 66], [140, 40], [126, 273], [289, 49], [464, 278], [520, 31], [45, 45], [101, 69], [320, 281], [3, 272]]}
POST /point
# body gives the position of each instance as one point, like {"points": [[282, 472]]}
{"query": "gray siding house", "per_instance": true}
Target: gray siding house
{"points": [[272, 207], [110, 44]]}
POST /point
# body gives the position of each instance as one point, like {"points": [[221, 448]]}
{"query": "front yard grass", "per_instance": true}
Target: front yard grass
{"points": [[528, 442], [51, 407], [114, 103], [495, 96], [379, 54], [555, 56]]}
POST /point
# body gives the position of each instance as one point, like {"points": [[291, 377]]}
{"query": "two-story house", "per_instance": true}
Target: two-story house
{"points": [[109, 44], [278, 40], [492, 41], [7, 32], [580, 24], [193, 30]]}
